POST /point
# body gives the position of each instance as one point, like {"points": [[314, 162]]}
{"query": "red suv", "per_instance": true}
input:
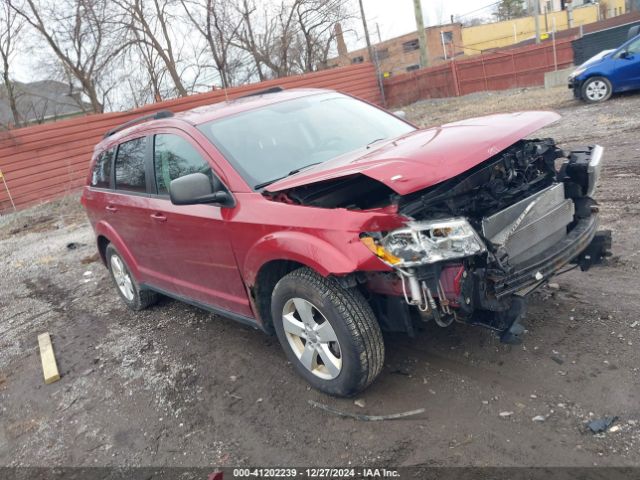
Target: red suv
{"points": [[326, 220]]}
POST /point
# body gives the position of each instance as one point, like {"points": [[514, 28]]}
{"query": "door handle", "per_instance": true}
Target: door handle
{"points": [[111, 208], [159, 217]]}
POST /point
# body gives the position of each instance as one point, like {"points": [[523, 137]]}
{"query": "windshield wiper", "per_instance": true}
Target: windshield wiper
{"points": [[374, 141], [298, 170], [292, 172]]}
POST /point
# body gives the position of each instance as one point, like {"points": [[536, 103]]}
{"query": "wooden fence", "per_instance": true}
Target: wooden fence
{"points": [[47, 161]]}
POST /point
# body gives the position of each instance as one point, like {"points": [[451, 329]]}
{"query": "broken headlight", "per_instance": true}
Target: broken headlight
{"points": [[426, 242]]}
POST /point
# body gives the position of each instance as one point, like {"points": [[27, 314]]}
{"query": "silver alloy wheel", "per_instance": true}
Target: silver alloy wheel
{"points": [[596, 90], [122, 277], [312, 338]]}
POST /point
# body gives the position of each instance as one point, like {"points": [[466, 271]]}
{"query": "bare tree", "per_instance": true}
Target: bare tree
{"points": [[10, 26], [149, 24], [218, 23], [83, 36], [293, 36], [247, 39], [316, 21]]}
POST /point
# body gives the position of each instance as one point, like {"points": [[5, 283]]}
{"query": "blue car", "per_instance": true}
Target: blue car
{"points": [[610, 71]]}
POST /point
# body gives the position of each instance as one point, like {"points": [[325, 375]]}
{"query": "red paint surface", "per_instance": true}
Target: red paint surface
{"points": [[427, 157], [213, 255]]}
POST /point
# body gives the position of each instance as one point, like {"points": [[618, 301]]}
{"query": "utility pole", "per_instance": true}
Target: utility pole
{"points": [[422, 36], [535, 11], [372, 57], [366, 33]]}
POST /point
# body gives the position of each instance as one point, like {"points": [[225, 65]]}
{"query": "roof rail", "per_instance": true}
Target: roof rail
{"points": [[152, 116], [263, 92]]}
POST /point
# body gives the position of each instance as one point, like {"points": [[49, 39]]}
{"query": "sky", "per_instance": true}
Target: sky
{"points": [[392, 17], [395, 17]]}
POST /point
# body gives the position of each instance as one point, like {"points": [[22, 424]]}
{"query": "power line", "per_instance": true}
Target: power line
{"points": [[327, 6], [478, 9]]}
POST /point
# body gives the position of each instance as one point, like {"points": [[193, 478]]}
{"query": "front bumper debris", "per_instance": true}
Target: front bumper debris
{"points": [[575, 86], [576, 246]]}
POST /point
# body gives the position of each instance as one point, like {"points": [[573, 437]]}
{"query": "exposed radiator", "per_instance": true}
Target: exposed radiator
{"points": [[532, 225]]}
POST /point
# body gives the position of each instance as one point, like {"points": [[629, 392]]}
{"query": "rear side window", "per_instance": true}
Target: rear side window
{"points": [[101, 175], [175, 157], [130, 166]]}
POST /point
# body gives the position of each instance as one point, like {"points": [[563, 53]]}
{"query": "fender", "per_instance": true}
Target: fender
{"points": [[104, 229], [300, 247]]}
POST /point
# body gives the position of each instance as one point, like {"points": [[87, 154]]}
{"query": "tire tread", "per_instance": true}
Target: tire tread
{"points": [[359, 319]]}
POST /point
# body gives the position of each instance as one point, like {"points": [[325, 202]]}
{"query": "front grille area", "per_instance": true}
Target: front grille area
{"points": [[532, 225]]}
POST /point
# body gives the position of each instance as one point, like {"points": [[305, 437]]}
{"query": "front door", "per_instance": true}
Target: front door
{"points": [[627, 68], [192, 242]]}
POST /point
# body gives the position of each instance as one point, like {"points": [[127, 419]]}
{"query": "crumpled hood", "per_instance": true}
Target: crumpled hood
{"points": [[426, 157]]}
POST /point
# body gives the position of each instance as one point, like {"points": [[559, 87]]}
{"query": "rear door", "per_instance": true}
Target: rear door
{"points": [[98, 193], [192, 242], [127, 205]]}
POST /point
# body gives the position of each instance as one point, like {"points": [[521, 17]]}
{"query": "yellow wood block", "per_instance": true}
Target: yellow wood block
{"points": [[49, 366]]}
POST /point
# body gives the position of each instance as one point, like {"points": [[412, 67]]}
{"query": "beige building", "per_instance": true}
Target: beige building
{"points": [[402, 54]]}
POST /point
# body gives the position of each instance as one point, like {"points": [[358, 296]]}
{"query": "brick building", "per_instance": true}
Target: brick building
{"points": [[402, 54]]}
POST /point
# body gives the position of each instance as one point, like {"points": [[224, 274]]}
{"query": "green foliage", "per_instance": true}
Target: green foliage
{"points": [[508, 9]]}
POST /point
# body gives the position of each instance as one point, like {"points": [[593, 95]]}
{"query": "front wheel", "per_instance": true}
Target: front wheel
{"points": [[596, 89], [329, 333], [134, 297]]}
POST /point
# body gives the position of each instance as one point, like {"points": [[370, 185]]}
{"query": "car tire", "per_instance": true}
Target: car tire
{"points": [[133, 296], [341, 357], [596, 90]]}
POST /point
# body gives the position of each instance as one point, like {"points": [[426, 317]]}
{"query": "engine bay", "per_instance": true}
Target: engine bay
{"points": [[517, 172], [512, 175]]}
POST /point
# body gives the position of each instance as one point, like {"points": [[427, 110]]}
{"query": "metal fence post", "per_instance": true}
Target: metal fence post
{"points": [[484, 73], [555, 53], [454, 73]]}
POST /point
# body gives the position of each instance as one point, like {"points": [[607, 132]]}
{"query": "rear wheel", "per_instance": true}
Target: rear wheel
{"points": [[329, 333], [128, 289], [596, 89]]}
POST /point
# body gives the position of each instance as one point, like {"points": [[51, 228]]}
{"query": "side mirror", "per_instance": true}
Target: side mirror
{"points": [[400, 114], [197, 188], [626, 55]]}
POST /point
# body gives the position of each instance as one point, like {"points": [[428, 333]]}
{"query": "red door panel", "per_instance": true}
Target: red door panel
{"points": [[194, 252]]}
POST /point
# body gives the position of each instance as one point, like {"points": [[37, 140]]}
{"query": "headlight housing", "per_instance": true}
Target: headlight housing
{"points": [[426, 242], [577, 71]]}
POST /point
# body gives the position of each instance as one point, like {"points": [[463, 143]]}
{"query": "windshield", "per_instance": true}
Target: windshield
{"points": [[275, 141]]}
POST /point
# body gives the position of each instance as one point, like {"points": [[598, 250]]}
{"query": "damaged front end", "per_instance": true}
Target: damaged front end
{"points": [[476, 245]]}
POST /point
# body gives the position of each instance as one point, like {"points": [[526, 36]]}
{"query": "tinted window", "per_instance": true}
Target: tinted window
{"points": [[175, 157], [101, 176], [130, 166]]}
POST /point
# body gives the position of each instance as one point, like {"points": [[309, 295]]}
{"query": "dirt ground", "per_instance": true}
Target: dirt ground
{"points": [[177, 386]]}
